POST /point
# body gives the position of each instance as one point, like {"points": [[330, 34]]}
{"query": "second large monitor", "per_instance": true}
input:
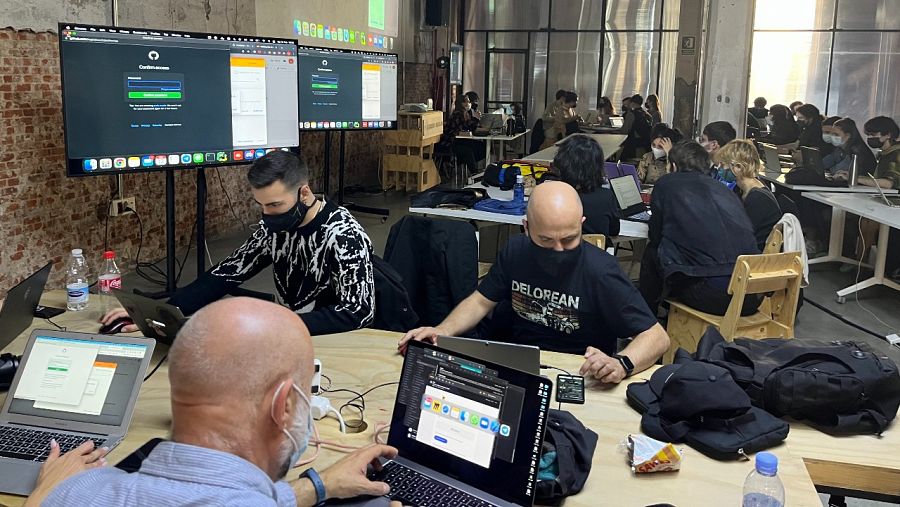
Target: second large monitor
{"points": [[343, 89]]}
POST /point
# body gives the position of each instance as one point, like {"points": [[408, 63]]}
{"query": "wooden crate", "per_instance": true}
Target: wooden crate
{"points": [[409, 174], [427, 124]]}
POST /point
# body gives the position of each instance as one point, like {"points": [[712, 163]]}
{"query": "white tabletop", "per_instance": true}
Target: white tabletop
{"points": [[778, 179], [609, 142], [868, 206], [468, 135]]}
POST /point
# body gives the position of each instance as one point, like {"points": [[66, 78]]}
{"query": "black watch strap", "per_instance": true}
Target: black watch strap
{"points": [[626, 364]]}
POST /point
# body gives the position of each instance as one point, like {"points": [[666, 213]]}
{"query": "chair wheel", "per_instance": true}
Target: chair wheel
{"points": [[841, 299]]}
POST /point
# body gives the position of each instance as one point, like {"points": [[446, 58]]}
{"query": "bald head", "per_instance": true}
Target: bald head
{"points": [[236, 349], [554, 216]]}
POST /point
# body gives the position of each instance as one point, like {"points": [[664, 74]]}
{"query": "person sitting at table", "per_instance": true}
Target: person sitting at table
{"points": [[474, 100], [847, 141], [652, 106], [882, 133], [319, 254], [809, 119], [759, 110], [697, 230], [558, 293], [794, 106], [240, 372], [782, 127], [462, 120], [559, 118], [715, 135], [605, 109], [656, 163], [636, 126], [579, 162], [742, 159]]}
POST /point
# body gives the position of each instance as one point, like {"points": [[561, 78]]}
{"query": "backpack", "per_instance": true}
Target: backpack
{"points": [[503, 174], [574, 447], [393, 309], [837, 387], [442, 197]]}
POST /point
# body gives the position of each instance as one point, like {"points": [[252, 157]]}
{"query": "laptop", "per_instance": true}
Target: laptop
{"points": [[616, 122], [490, 123], [773, 163], [890, 202], [520, 357], [155, 319], [468, 431], [72, 387], [21, 301], [628, 197]]}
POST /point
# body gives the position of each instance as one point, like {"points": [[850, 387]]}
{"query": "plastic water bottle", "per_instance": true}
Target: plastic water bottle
{"points": [[77, 282], [763, 488], [519, 189], [110, 277]]}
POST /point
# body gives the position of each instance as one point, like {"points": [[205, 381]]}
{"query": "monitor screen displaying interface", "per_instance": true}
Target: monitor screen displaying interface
{"points": [[347, 90], [140, 99]]}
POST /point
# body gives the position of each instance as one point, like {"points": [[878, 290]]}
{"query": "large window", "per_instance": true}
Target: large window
{"points": [[843, 56], [525, 50]]}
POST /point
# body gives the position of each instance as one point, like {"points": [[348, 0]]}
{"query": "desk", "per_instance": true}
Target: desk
{"points": [[778, 179], [628, 230], [487, 139], [868, 206], [609, 142], [360, 359]]}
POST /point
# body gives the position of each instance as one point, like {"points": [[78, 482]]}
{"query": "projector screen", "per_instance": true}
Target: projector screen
{"points": [[369, 25]]}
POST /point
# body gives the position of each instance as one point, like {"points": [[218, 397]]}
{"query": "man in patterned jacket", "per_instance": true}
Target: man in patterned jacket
{"points": [[318, 251]]}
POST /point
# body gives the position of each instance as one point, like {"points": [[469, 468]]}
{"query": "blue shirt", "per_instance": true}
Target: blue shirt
{"points": [[176, 474]]}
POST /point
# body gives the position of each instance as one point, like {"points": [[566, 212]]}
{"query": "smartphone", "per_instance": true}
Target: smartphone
{"points": [[132, 462], [570, 389]]}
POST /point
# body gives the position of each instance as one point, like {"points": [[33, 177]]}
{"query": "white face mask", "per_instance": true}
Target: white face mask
{"points": [[467, 107], [769, 121], [836, 140], [827, 138], [658, 153], [301, 428]]}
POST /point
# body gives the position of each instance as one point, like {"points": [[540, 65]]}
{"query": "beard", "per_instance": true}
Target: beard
{"points": [[285, 457]]}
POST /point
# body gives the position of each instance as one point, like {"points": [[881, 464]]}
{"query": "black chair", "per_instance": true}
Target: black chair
{"points": [[537, 137]]}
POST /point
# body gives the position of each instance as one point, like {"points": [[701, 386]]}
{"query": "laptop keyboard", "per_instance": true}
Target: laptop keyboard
{"points": [[34, 445], [412, 488]]}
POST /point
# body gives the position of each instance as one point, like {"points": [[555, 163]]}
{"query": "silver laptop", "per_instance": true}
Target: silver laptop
{"points": [[525, 358], [467, 431], [491, 121], [616, 122], [71, 387], [890, 202], [592, 117], [773, 163]]}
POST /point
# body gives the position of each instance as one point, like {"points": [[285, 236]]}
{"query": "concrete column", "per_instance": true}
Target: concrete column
{"points": [[726, 68], [687, 65]]}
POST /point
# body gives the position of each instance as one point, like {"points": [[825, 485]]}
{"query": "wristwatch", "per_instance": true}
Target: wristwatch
{"points": [[626, 363], [319, 486]]}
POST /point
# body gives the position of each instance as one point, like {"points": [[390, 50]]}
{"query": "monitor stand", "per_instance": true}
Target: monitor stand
{"points": [[170, 240], [382, 212]]}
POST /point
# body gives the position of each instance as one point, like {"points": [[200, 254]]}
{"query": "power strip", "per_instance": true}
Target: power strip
{"points": [[893, 339]]}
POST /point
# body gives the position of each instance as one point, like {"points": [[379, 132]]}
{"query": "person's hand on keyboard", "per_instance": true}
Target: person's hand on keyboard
{"points": [[347, 478], [58, 467]]}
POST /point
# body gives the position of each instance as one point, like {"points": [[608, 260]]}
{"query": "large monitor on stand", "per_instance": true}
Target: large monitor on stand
{"points": [[140, 99], [137, 99]]}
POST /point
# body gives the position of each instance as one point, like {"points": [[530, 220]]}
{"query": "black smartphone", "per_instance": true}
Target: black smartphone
{"points": [[47, 312], [570, 389], [132, 462]]}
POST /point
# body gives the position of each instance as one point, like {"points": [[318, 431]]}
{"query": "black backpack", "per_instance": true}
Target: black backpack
{"points": [[838, 387], [393, 310], [574, 445], [447, 197]]}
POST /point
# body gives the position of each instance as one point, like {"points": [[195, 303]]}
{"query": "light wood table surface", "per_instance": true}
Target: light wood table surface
{"points": [[362, 359]]}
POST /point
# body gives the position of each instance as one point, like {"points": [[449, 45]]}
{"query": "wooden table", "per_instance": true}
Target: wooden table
{"points": [[609, 142], [361, 359], [502, 138]]}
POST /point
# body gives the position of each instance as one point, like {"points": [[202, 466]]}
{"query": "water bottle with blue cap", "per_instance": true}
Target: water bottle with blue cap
{"points": [[763, 488]]}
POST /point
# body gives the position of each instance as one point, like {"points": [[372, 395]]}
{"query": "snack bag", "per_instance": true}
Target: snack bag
{"points": [[649, 455]]}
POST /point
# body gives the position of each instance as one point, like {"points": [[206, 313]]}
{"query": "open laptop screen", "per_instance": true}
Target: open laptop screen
{"points": [[79, 380], [627, 193], [478, 422]]}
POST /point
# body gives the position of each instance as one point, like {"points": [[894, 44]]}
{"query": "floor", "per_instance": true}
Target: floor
{"points": [[812, 322]]}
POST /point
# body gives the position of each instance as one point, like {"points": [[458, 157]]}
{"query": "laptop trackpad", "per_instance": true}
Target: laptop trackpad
{"points": [[361, 502], [18, 476]]}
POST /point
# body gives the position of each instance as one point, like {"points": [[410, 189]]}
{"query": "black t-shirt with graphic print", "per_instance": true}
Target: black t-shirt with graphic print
{"points": [[588, 301]]}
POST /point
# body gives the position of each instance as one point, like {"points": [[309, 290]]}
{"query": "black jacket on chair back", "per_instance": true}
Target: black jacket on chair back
{"points": [[699, 226], [438, 262]]}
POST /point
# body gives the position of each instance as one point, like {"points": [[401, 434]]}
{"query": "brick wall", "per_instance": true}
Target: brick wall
{"points": [[415, 82]]}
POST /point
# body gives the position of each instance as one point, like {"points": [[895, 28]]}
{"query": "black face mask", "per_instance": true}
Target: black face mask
{"points": [[287, 220], [874, 142], [552, 261]]}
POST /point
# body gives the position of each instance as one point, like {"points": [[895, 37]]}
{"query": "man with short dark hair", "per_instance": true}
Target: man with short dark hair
{"points": [[320, 254], [715, 135], [636, 125]]}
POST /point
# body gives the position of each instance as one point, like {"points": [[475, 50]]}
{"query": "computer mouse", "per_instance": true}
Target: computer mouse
{"points": [[116, 325]]}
